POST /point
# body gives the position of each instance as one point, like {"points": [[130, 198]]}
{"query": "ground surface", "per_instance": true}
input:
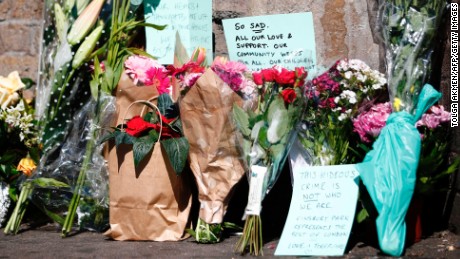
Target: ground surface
{"points": [[45, 242]]}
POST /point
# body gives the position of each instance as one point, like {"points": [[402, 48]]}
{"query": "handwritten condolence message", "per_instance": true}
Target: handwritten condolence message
{"points": [[192, 19], [286, 40], [322, 211]]}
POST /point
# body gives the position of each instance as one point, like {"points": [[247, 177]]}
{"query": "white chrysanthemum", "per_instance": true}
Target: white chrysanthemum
{"points": [[5, 202]]}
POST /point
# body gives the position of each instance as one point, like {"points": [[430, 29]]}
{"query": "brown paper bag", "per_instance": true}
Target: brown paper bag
{"points": [[214, 158], [149, 202]]}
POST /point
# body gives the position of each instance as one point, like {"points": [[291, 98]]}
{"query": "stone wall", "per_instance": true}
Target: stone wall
{"points": [[20, 30], [341, 29]]}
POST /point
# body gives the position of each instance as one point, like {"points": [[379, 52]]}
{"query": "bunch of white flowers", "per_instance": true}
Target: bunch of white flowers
{"points": [[18, 118]]}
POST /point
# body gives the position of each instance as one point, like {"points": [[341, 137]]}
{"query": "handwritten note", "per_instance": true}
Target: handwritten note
{"points": [[286, 40], [322, 211], [191, 18]]}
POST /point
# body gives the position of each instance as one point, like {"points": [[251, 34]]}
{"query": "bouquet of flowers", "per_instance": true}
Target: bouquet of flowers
{"points": [[333, 99], [206, 99], [434, 164], [73, 106], [18, 133], [408, 29], [265, 128]]}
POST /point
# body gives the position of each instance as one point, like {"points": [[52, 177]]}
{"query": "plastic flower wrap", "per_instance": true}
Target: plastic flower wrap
{"points": [[265, 128], [433, 127], [207, 96], [333, 99], [408, 29], [73, 105]]}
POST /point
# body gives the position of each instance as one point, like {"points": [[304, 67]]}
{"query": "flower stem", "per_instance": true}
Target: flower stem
{"points": [[90, 145], [14, 222], [252, 237]]}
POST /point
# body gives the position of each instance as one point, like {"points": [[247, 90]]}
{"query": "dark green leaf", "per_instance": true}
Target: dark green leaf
{"points": [[107, 137], [262, 137], [28, 82], [142, 146], [177, 151], [155, 26], [164, 102], [123, 138]]}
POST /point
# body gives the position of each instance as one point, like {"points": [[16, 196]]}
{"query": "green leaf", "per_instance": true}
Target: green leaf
{"points": [[262, 137], [49, 182], [177, 151], [242, 120], [107, 137], [279, 121], [28, 82], [164, 102], [362, 215], [142, 146], [122, 137], [55, 217], [155, 26]]}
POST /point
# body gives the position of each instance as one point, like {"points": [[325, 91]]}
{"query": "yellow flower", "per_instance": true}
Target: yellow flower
{"points": [[397, 103], [8, 89], [27, 166]]}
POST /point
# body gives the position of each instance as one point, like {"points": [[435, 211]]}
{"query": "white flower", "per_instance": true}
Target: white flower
{"points": [[361, 77], [337, 99], [348, 74], [343, 116], [343, 65], [349, 95]]}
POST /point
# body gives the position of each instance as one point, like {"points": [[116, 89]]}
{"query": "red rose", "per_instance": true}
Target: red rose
{"points": [[288, 95], [285, 77], [136, 126], [268, 74], [300, 73], [257, 76]]}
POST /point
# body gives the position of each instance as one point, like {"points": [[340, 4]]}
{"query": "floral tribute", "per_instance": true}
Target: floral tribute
{"points": [[333, 99], [18, 132], [265, 134]]}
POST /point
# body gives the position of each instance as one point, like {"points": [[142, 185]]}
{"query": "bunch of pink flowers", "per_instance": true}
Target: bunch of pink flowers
{"points": [[369, 124]]}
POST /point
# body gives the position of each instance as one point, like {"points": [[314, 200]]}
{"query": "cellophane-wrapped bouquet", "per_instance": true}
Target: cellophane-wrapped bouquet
{"points": [[73, 107], [408, 30], [265, 128]]}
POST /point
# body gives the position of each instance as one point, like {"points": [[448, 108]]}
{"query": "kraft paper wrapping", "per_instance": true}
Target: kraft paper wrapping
{"points": [[150, 202], [214, 157]]}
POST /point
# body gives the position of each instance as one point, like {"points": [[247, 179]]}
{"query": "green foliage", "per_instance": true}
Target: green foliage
{"points": [[177, 150]]}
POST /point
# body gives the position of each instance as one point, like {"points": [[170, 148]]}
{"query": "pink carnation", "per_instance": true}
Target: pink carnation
{"points": [[369, 124], [434, 117]]}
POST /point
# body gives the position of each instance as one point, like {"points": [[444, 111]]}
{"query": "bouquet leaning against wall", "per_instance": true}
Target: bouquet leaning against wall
{"points": [[206, 101], [408, 29], [265, 128]]}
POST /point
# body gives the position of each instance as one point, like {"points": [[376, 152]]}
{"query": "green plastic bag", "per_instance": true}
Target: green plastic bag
{"points": [[389, 172]]}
